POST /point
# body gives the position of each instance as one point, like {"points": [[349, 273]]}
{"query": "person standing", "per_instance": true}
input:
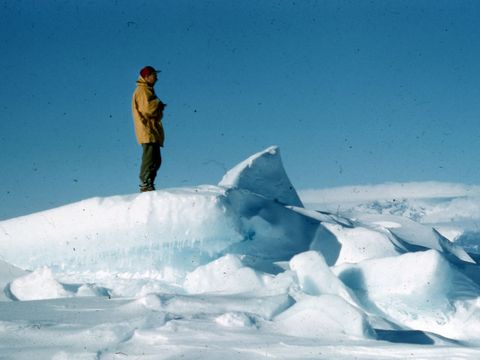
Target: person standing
{"points": [[147, 110]]}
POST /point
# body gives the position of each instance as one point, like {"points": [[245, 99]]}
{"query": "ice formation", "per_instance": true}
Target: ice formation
{"points": [[180, 228], [263, 174], [240, 260]]}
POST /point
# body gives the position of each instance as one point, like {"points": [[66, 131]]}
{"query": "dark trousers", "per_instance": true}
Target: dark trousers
{"points": [[151, 161]]}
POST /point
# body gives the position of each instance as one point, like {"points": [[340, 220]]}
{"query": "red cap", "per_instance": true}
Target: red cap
{"points": [[148, 70]]}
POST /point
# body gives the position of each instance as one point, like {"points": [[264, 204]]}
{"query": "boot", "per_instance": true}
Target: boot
{"points": [[147, 187]]}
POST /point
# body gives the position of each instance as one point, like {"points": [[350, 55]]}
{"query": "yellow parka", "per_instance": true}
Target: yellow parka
{"points": [[147, 112]]}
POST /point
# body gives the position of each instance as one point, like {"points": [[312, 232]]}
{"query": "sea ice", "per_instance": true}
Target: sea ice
{"points": [[240, 269]]}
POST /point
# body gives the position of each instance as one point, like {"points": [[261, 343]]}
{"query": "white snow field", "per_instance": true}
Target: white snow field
{"points": [[242, 270]]}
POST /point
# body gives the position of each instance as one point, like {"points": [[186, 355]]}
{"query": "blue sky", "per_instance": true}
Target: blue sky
{"points": [[353, 92]]}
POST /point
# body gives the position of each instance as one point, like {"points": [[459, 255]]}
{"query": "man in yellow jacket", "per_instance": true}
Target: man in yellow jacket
{"points": [[147, 110]]}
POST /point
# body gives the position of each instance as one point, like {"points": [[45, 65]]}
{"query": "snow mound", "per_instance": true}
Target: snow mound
{"points": [[264, 174], [234, 320], [420, 290], [225, 275], [40, 284], [316, 278], [324, 317], [347, 244], [7, 274]]}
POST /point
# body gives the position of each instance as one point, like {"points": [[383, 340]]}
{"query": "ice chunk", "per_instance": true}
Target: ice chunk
{"points": [[264, 174], [316, 278], [140, 232], [420, 290], [414, 236], [91, 290], [150, 302], [324, 317], [224, 275], [172, 231], [341, 244], [7, 274], [235, 320], [38, 285]]}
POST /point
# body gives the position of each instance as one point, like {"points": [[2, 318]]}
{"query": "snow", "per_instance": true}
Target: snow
{"points": [[123, 233], [38, 285], [242, 269], [237, 320], [453, 209], [263, 174], [172, 231], [324, 317], [419, 290], [224, 275], [316, 278], [354, 243]]}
